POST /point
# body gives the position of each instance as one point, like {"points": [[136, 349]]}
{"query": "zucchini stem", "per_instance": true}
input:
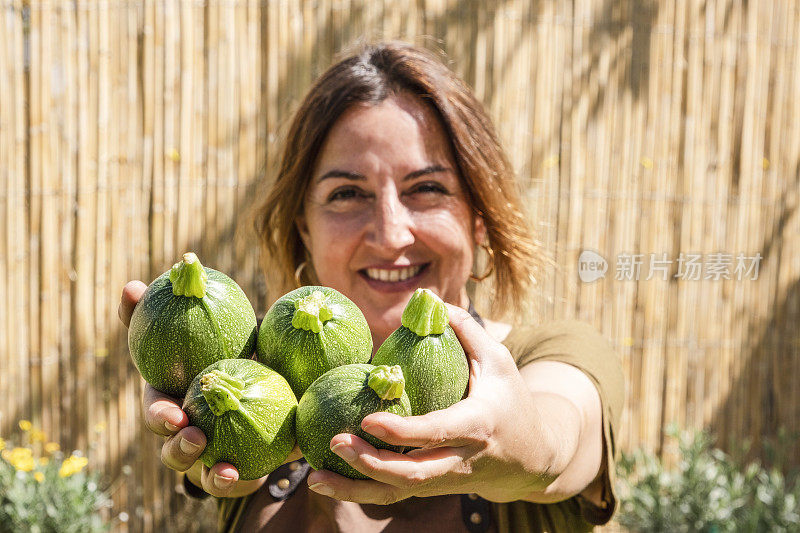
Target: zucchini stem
{"points": [[311, 312], [221, 391], [188, 277], [425, 314], [387, 381]]}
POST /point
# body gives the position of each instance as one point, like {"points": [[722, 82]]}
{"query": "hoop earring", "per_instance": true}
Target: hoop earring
{"points": [[297, 272], [490, 270]]}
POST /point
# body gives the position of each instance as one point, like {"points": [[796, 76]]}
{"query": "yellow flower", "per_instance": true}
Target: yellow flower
{"points": [[6, 454], [72, 465], [37, 435], [21, 459], [51, 447], [25, 425], [38, 476], [44, 461], [550, 162], [628, 341], [2, 444]]}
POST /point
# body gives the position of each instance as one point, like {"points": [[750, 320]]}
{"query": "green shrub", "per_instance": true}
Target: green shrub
{"points": [[707, 491], [43, 491]]}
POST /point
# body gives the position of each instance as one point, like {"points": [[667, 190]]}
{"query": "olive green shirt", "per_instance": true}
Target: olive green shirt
{"points": [[570, 342]]}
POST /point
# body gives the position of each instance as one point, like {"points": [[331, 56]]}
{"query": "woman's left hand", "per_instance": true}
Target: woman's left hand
{"points": [[494, 443]]}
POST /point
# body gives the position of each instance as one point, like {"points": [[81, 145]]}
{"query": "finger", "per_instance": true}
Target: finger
{"points": [[162, 413], [131, 294], [183, 449], [473, 338], [461, 424], [412, 473], [486, 355], [333, 485], [220, 479]]}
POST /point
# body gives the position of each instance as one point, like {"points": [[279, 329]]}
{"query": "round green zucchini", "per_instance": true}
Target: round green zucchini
{"points": [[311, 330], [188, 318], [246, 411], [337, 402], [427, 349]]}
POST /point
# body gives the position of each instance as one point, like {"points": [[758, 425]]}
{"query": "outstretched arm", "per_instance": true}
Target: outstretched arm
{"points": [[534, 435], [570, 407]]}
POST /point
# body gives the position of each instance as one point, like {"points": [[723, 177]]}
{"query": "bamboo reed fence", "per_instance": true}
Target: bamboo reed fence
{"points": [[132, 131]]}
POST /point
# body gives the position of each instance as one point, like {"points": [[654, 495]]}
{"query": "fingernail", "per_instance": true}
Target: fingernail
{"points": [[345, 452], [322, 488], [222, 483], [171, 427], [377, 431], [188, 447]]}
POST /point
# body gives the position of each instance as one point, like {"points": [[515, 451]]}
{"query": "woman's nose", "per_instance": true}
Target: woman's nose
{"points": [[392, 224]]}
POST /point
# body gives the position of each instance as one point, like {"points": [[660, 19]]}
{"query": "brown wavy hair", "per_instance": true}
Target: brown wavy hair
{"points": [[369, 76]]}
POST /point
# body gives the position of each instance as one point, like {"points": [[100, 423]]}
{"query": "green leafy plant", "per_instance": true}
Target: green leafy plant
{"points": [[41, 490], [707, 491]]}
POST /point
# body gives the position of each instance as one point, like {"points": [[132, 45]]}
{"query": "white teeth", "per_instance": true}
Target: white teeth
{"points": [[394, 274]]}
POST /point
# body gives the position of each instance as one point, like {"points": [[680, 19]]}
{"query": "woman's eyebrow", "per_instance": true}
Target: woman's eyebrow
{"points": [[336, 173], [341, 174], [427, 170]]}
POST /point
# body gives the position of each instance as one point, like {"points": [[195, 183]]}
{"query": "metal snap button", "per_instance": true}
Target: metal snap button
{"points": [[283, 483], [476, 518]]}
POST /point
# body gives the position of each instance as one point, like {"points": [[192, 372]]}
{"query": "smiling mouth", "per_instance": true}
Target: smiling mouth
{"points": [[394, 274]]}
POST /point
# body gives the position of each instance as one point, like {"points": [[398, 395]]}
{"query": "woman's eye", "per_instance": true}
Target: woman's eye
{"points": [[429, 187], [345, 193]]}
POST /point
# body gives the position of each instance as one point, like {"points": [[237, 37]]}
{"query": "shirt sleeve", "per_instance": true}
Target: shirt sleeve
{"points": [[580, 345]]}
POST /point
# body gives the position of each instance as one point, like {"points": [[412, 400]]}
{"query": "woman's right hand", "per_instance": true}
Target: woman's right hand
{"points": [[184, 443]]}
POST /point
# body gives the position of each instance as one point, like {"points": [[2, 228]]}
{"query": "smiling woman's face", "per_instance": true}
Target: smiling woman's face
{"points": [[386, 212]]}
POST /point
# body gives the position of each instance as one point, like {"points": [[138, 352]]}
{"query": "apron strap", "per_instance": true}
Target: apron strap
{"points": [[476, 512], [475, 315], [284, 480]]}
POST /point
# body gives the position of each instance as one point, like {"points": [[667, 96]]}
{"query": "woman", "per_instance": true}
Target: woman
{"points": [[392, 178]]}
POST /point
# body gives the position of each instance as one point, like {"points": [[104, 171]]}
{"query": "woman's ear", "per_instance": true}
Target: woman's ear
{"points": [[479, 230]]}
